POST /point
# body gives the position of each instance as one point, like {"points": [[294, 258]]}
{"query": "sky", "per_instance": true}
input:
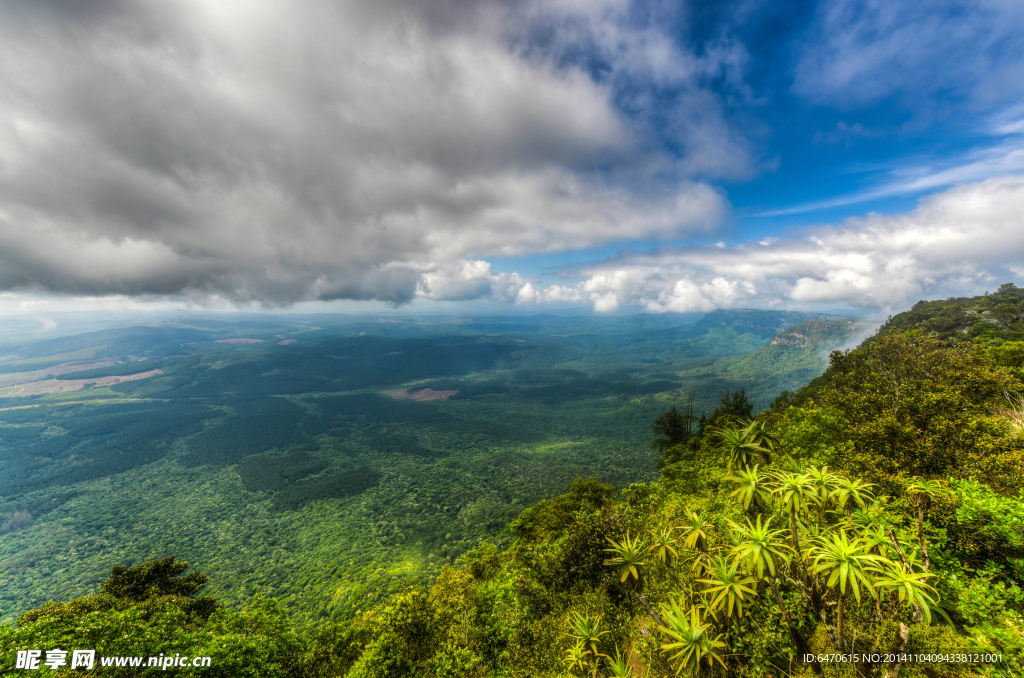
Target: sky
{"points": [[498, 156]]}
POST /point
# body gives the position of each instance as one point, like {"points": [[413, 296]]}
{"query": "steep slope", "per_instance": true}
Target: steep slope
{"points": [[988, 320]]}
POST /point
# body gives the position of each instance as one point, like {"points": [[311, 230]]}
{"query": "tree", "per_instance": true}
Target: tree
{"points": [[760, 548], [551, 517], [154, 578], [924, 491], [587, 634], [677, 434], [157, 578], [740, 444], [911, 588], [663, 548], [850, 495], [734, 406], [674, 428], [824, 483], [795, 492], [919, 406], [752, 489], [695, 529], [727, 586], [146, 611]]}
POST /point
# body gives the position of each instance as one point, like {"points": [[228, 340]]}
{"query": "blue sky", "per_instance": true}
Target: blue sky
{"points": [[610, 155]]}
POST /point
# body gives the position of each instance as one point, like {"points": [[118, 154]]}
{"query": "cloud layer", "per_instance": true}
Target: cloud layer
{"points": [[285, 151], [924, 53], [962, 241], [275, 152]]}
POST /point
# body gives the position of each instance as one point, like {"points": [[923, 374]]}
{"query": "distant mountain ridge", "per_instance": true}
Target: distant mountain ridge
{"points": [[812, 333], [793, 357], [765, 323]]}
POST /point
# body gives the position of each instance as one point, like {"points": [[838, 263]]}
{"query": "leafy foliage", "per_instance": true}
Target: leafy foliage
{"points": [[256, 426], [826, 544], [269, 474], [918, 407], [349, 483]]}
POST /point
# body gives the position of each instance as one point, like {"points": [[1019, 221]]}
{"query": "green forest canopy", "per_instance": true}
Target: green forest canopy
{"points": [[879, 511]]}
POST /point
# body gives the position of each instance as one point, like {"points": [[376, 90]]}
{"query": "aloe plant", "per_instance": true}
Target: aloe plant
{"points": [[587, 631], [727, 586], [695, 530], [577, 657], [619, 665], [689, 638], [761, 548], [848, 564], [741, 445], [795, 493], [851, 494], [751, 488], [663, 549], [911, 588], [628, 557]]}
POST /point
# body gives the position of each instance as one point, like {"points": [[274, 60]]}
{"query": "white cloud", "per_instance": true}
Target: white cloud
{"points": [[276, 151], [862, 51], [969, 238], [466, 280]]}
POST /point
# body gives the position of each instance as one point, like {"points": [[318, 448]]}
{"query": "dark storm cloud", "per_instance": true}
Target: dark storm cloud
{"points": [[281, 151]]}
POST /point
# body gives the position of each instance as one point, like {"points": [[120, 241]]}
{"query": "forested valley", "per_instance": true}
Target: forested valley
{"points": [[874, 512], [355, 455]]}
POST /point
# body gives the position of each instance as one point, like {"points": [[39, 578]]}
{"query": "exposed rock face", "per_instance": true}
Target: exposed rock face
{"points": [[421, 395], [812, 333], [791, 339]]}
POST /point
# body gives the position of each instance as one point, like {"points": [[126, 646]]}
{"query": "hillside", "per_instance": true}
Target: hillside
{"points": [[793, 357], [287, 458], [882, 523], [989, 319]]}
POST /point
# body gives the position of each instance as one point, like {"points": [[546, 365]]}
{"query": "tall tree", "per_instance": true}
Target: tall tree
{"points": [[848, 564], [675, 427], [733, 406]]}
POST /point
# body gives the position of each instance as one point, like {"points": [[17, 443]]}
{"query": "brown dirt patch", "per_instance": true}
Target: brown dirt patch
{"points": [[421, 395], [239, 340], [63, 368], [54, 386]]}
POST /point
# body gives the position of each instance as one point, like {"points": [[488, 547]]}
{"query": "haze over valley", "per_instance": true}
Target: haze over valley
{"points": [[292, 455]]}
